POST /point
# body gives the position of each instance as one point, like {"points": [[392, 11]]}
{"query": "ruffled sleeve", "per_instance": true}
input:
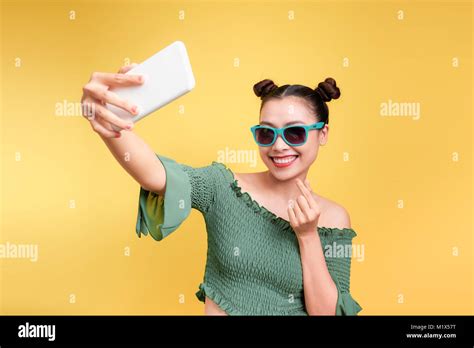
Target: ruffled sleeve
{"points": [[346, 305], [337, 247], [186, 187]]}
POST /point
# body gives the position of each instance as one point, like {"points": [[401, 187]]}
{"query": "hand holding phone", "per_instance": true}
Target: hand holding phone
{"points": [[96, 94], [168, 76]]}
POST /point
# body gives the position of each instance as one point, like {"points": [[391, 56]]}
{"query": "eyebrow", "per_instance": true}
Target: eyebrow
{"points": [[286, 124]]}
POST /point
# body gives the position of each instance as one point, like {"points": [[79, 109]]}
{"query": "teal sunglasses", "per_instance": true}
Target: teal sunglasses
{"points": [[294, 135]]}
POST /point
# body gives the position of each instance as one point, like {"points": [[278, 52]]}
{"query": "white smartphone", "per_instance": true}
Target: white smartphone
{"points": [[168, 76]]}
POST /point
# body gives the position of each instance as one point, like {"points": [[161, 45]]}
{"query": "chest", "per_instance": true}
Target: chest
{"points": [[279, 207], [276, 206], [248, 246], [254, 250]]}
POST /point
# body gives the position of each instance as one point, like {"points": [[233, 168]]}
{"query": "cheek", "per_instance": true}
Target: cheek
{"points": [[309, 151], [310, 155], [264, 153]]}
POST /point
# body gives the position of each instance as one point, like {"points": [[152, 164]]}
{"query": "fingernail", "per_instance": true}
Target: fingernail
{"points": [[134, 109], [117, 135], [130, 126], [141, 78]]}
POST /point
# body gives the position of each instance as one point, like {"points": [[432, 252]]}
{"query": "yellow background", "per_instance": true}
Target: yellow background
{"points": [[408, 251]]}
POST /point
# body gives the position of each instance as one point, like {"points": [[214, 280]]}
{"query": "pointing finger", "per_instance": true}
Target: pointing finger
{"points": [[306, 192]]}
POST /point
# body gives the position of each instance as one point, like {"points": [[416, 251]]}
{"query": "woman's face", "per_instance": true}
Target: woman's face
{"points": [[279, 113]]}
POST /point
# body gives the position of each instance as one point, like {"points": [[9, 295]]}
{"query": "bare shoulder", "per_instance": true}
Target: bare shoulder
{"points": [[247, 178], [332, 213]]}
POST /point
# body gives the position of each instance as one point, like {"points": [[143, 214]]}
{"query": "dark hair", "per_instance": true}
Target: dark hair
{"points": [[315, 98]]}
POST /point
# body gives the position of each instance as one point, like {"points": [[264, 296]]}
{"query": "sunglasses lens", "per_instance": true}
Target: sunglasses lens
{"points": [[295, 135], [264, 136]]}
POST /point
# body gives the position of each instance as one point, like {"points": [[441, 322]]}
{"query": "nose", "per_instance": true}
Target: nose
{"points": [[280, 144]]}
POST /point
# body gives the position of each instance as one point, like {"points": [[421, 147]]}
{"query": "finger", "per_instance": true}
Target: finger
{"points": [[99, 128], [104, 113], [291, 215], [88, 107], [114, 99], [304, 206], [307, 193], [102, 93], [312, 201], [108, 125], [298, 212], [127, 68], [117, 79]]}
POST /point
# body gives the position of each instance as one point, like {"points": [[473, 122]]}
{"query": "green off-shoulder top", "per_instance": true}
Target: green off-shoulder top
{"points": [[253, 262]]}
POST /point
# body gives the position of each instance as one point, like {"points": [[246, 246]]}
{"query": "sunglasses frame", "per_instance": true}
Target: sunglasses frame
{"points": [[280, 132]]}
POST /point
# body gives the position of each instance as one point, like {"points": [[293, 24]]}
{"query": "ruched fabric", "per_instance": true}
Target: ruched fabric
{"points": [[253, 263]]}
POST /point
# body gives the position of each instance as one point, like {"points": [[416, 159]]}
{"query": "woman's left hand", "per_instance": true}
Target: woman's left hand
{"points": [[304, 212]]}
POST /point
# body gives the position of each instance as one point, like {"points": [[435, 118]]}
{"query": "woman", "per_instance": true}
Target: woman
{"points": [[268, 232]]}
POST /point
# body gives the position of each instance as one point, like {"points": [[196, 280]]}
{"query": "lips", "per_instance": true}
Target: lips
{"points": [[283, 161]]}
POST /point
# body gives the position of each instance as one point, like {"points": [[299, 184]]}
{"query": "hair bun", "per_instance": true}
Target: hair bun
{"points": [[264, 87], [328, 90]]}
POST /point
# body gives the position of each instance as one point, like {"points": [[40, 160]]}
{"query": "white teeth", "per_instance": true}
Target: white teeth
{"points": [[284, 159]]}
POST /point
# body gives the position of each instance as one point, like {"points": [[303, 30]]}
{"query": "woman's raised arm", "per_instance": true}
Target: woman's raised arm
{"points": [[132, 153]]}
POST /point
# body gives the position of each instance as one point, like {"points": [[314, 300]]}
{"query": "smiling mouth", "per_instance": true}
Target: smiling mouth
{"points": [[284, 161]]}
